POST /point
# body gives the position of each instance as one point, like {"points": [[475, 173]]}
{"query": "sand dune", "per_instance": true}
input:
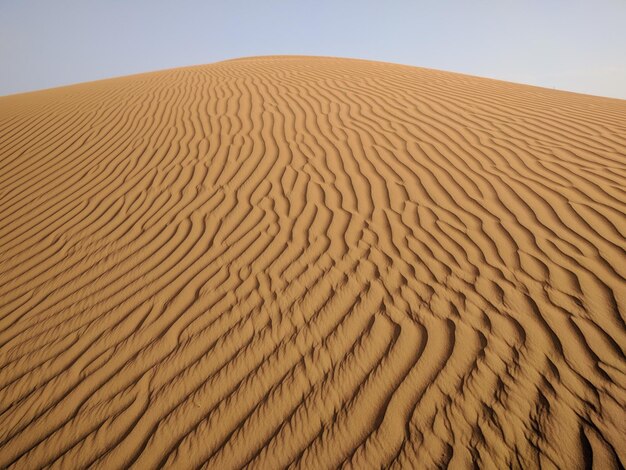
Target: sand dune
{"points": [[312, 262]]}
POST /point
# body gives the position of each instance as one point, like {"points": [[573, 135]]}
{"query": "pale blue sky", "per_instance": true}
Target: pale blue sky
{"points": [[573, 45]]}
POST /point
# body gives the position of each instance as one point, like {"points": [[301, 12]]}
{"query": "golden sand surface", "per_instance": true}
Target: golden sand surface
{"points": [[312, 262]]}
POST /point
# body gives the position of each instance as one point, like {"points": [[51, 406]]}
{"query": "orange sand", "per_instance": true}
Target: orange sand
{"points": [[312, 262]]}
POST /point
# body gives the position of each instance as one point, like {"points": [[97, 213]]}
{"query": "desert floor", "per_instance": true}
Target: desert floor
{"points": [[312, 262]]}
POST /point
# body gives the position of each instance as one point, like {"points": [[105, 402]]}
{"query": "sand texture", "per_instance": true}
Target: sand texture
{"points": [[312, 262]]}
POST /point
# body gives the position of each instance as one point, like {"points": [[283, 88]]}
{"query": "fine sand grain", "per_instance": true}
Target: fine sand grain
{"points": [[312, 262]]}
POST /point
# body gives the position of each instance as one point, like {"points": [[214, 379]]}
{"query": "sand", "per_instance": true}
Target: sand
{"points": [[312, 262]]}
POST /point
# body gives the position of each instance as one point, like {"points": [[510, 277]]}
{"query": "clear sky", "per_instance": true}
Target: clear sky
{"points": [[577, 45]]}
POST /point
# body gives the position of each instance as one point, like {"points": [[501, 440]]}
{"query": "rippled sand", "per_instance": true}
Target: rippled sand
{"points": [[312, 262]]}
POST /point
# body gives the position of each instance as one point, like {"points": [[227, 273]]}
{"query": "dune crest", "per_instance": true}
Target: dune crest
{"points": [[312, 262]]}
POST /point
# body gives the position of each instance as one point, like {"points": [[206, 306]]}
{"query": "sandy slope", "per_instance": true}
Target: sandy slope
{"points": [[312, 261]]}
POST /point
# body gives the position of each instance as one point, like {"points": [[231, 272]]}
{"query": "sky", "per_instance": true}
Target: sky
{"points": [[576, 45]]}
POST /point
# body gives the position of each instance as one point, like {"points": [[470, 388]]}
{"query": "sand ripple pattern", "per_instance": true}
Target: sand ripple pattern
{"points": [[315, 263]]}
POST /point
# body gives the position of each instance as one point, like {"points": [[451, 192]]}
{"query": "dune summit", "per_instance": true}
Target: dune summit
{"points": [[312, 262]]}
